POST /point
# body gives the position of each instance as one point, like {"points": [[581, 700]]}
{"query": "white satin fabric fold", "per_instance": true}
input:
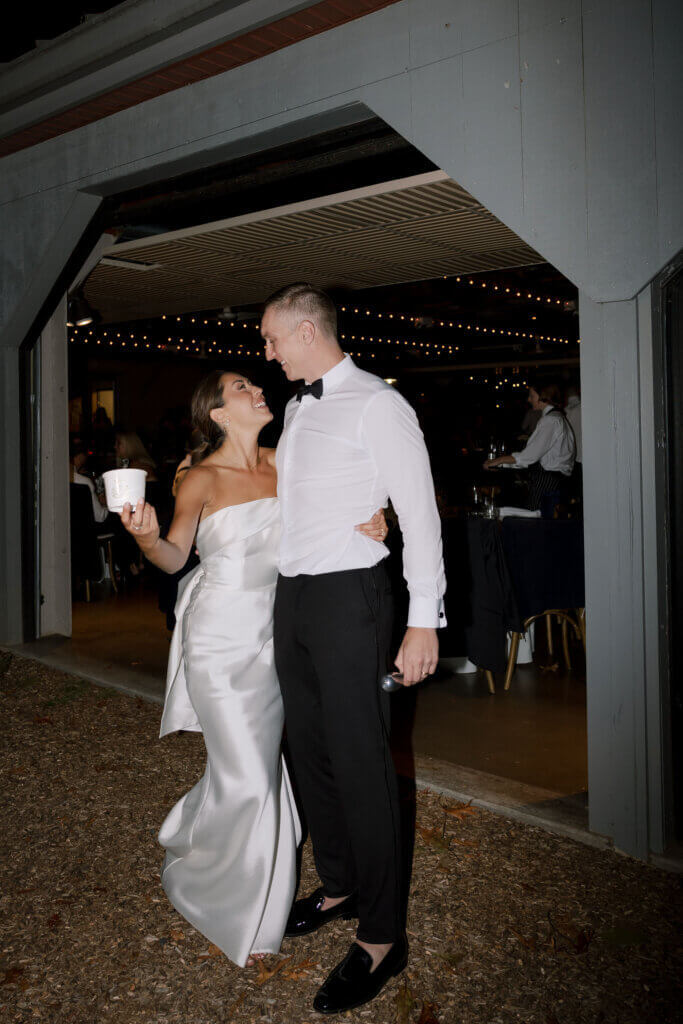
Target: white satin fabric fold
{"points": [[231, 841]]}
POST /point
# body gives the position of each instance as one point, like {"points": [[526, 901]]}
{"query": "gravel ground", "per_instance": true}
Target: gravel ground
{"points": [[506, 922]]}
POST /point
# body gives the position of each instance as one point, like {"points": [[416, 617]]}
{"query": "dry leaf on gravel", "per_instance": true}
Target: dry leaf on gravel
{"points": [[12, 975], [265, 973], [461, 811], [212, 951], [428, 1013], [567, 937], [298, 971], [235, 1006], [405, 1002], [530, 943], [434, 838]]}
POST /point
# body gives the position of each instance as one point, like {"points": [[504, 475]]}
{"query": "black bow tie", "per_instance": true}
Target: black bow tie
{"points": [[315, 389]]}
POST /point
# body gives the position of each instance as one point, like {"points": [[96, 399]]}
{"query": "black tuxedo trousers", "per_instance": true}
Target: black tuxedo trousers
{"points": [[332, 635]]}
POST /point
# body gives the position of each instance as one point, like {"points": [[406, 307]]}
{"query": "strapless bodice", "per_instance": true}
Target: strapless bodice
{"points": [[239, 545], [230, 594]]}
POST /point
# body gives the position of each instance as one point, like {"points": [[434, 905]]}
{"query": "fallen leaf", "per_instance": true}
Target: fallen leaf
{"points": [[584, 939], [265, 973], [298, 971], [42, 720], [434, 837], [428, 1013], [212, 951], [236, 1005], [405, 1002], [464, 842], [176, 935], [453, 960], [566, 937], [529, 943], [54, 921], [461, 811], [12, 975]]}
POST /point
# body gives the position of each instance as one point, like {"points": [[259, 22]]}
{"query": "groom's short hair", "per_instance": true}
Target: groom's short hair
{"points": [[306, 302]]}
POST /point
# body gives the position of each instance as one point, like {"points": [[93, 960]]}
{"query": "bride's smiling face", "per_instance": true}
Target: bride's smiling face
{"points": [[243, 404]]}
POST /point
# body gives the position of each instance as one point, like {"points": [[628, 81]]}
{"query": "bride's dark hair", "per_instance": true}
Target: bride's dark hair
{"points": [[208, 395]]}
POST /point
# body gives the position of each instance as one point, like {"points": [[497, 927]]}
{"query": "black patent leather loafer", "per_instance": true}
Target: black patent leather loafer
{"points": [[306, 916], [353, 982]]}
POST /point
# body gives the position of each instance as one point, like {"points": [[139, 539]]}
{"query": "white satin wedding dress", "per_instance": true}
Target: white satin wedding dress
{"points": [[230, 842]]}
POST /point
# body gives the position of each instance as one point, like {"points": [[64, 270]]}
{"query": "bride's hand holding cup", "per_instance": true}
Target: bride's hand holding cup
{"points": [[141, 523]]}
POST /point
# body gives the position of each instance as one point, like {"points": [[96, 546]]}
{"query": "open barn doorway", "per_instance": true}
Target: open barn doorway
{"points": [[436, 295]]}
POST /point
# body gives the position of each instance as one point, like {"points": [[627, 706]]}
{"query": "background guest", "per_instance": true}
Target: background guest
{"points": [[131, 453], [549, 453], [102, 432], [78, 456]]}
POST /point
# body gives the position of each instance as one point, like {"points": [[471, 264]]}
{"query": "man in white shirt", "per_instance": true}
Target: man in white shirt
{"points": [[549, 453], [349, 443]]}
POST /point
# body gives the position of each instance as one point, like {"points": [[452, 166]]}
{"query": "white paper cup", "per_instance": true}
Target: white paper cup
{"points": [[122, 485]]}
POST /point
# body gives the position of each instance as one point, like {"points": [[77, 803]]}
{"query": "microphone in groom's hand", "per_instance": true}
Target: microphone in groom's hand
{"points": [[392, 682]]}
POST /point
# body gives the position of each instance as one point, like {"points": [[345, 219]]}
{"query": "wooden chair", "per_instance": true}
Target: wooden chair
{"points": [[104, 541], [569, 620]]}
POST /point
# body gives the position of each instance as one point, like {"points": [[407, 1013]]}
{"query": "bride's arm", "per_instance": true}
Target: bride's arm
{"points": [[171, 554]]}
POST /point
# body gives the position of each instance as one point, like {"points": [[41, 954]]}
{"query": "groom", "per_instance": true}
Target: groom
{"points": [[348, 444]]}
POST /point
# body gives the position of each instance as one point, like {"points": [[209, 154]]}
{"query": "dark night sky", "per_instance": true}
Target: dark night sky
{"points": [[29, 22]]}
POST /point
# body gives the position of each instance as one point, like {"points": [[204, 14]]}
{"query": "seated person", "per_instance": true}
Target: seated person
{"points": [[549, 453], [78, 457]]}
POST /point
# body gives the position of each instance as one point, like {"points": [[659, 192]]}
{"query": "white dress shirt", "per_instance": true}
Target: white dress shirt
{"points": [[339, 459], [573, 412], [100, 511], [552, 444]]}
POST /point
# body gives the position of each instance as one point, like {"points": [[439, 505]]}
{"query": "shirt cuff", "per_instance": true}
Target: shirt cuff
{"points": [[519, 459], [426, 613]]}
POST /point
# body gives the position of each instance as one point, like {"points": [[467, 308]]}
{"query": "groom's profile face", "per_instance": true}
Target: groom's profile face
{"points": [[285, 341]]}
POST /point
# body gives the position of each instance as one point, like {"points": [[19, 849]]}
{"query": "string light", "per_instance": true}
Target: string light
{"points": [[423, 348]]}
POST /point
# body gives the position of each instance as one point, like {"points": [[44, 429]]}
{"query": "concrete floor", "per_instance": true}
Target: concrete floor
{"points": [[523, 751]]}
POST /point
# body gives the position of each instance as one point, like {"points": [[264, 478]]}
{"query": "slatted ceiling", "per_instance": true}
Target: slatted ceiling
{"points": [[408, 232]]}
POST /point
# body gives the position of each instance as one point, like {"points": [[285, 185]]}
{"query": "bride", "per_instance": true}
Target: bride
{"points": [[231, 841]]}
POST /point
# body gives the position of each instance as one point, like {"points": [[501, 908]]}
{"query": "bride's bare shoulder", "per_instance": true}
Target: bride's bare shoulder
{"points": [[198, 478]]}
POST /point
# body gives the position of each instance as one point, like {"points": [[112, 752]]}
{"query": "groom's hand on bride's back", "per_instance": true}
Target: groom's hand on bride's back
{"points": [[418, 655]]}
